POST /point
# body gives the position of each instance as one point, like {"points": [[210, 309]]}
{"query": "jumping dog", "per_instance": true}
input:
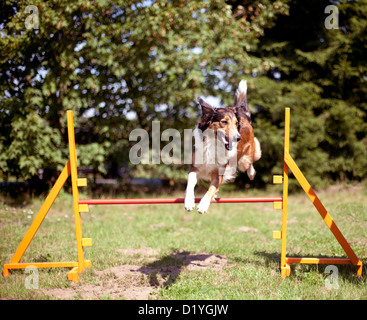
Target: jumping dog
{"points": [[224, 142]]}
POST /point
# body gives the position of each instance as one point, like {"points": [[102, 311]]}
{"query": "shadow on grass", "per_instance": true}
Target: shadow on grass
{"points": [[167, 269], [170, 266], [346, 271]]}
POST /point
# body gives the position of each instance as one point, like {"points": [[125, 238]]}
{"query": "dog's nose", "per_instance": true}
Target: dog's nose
{"points": [[238, 138]]}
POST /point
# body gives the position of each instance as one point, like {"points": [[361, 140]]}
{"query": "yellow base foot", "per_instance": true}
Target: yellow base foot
{"points": [[285, 271]]}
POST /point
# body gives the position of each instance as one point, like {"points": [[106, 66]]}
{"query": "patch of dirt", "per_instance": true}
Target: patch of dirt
{"points": [[246, 229], [158, 225], [145, 251], [186, 218], [139, 281]]}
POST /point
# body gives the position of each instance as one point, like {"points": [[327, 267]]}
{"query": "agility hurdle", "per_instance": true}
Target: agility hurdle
{"points": [[81, 206]]}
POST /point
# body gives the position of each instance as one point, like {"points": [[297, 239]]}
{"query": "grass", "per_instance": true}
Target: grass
{"points": [[252, 268]]}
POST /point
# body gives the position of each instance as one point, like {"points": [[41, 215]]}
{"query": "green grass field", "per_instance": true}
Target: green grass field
{"points": [[163, 252]]}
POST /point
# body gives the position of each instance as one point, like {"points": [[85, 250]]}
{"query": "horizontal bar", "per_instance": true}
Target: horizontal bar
{"points": [[175, 200], [318, 260], [68, 264], [65, 264]]}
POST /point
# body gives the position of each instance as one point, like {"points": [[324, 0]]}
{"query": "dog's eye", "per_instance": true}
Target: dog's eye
{"points": [[224, 122]]}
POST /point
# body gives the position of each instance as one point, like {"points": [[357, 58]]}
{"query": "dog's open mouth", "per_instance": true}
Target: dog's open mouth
{"points": [[225, 139]]}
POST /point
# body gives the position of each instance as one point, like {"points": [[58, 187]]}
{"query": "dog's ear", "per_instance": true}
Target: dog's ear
{"points": [[207, 114], [206, 108]]}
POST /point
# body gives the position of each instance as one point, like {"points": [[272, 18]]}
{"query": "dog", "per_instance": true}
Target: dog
{"points": [[224, 142]]}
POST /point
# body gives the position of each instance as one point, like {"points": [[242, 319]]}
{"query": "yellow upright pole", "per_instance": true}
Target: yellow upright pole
{"points": [[284, 267], [74, 184]]}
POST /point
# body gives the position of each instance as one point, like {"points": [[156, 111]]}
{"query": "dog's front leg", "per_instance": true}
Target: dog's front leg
{"points": [[216, 181], [190, 196]]}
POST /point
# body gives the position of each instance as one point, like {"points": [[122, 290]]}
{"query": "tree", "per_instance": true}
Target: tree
{"points": [[119, 65], [321, 74]]}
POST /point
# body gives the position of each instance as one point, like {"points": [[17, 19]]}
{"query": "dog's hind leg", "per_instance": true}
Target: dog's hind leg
{"points": [[190, 196], [216, 181], [244, 163]]}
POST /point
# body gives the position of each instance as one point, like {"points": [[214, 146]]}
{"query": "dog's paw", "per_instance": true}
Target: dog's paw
{"points": [[204, 204], [189, 203]]}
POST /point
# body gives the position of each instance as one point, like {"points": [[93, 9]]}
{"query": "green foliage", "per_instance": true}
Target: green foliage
{"points": [[93, 155], [108, 59], [119, 65], [321, 75], [34, 145]]}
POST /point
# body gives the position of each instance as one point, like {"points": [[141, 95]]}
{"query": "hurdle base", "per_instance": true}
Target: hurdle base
{"points": [[72, 274], [285, 271]]}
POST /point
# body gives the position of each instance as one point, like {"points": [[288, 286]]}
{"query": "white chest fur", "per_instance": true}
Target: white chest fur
{"points": [[211, 155]]}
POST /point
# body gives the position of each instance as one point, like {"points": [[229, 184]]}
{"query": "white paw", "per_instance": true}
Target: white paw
{"points": [[190, 203], [204, 204]]}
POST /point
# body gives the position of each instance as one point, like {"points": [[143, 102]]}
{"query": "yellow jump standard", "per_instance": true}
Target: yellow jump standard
{"points": [[79, 266]]}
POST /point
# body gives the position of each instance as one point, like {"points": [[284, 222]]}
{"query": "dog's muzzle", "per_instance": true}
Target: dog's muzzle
{"points": [[228, 141]]}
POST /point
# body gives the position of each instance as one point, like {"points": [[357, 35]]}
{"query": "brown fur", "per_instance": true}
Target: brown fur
{"points": [[246, 146]]}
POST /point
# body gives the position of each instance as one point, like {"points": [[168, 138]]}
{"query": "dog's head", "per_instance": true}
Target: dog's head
{"points": [[222, 121]]}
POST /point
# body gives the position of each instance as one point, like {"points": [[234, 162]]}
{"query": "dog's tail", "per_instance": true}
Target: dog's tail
{"points": [[240, 99]]}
